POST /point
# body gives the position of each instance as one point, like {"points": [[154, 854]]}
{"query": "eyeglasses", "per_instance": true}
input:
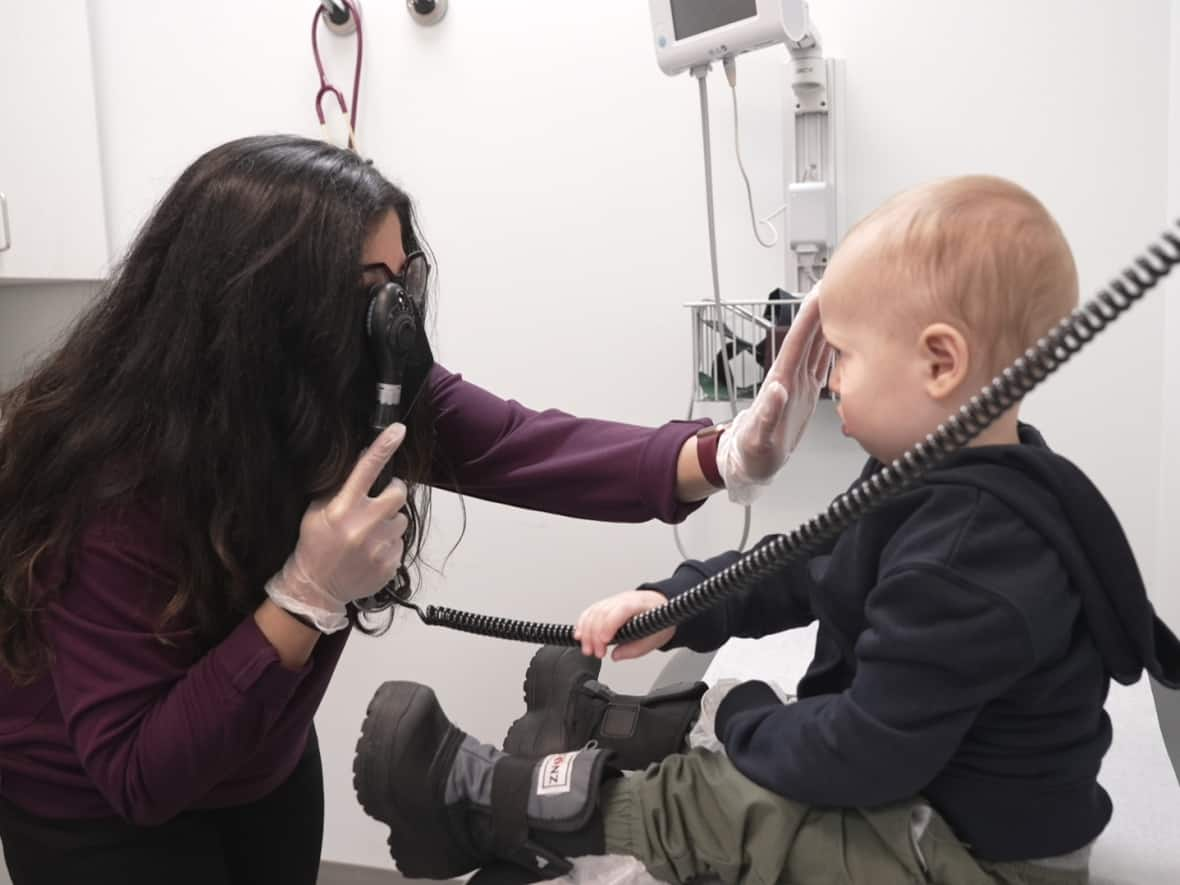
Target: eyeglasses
{"points": [[413, 277]]}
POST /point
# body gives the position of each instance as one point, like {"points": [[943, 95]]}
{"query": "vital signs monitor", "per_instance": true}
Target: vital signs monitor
{"points": [[688, 33]]}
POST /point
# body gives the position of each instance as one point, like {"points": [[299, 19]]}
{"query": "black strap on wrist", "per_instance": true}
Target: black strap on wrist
{"points": [[304, 620]]}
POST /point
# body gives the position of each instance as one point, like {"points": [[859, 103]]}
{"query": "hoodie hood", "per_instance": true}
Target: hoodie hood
{"points": [[1053, 496]]}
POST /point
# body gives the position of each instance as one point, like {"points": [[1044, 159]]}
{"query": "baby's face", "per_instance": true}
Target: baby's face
{"points": [[878, 376]]}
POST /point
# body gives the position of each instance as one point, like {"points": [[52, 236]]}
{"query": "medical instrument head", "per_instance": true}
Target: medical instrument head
{"points": [[931, 295], [395, 330]]}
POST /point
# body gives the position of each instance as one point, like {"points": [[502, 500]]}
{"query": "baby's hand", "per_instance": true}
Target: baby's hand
{"points": [[599, 623]]}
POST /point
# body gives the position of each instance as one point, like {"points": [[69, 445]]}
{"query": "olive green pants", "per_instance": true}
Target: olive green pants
{"points": [[695, 815]]}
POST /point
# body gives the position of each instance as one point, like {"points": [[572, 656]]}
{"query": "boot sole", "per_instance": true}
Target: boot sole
{"points": [[380, 750], [541, 730]]}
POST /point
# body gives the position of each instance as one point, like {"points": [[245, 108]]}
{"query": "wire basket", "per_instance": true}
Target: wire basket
{"points": [[738, 344]]}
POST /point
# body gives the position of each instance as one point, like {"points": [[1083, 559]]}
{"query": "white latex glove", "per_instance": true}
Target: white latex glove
{"points": [[758, 441], [350, 545]]}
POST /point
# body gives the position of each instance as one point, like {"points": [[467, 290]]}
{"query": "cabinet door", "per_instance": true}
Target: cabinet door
{"points": [[49, 161]]}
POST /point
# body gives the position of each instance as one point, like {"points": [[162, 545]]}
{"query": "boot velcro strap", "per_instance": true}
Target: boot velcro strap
{"points": [[621, 718], [677, 691], [619, 721], [512, 782]]}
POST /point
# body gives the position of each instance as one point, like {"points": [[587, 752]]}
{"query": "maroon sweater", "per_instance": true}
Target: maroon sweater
{"points": [[124, 723]]}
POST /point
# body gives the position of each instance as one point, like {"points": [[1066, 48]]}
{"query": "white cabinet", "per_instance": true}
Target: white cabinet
{"points": [[53, 222]]}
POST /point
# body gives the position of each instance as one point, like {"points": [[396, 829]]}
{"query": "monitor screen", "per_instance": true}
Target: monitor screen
{"points": [[690, 17]]}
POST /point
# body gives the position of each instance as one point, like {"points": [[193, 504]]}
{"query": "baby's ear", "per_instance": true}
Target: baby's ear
{"points": [[946, 357]]}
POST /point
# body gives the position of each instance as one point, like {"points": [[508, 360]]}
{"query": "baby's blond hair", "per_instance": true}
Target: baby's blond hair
{"points": [[978, 252]]}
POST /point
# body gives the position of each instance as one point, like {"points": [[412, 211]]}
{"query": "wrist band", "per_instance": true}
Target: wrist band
{"points": [[707, 440], [304, 620]]}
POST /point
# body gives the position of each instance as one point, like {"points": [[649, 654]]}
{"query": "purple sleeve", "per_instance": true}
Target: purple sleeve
{"points": [[155, 723], [551, 461]]}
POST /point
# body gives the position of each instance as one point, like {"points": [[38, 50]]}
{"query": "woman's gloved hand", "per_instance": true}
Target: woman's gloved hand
{"points": [[350, 545], [758, 441]]}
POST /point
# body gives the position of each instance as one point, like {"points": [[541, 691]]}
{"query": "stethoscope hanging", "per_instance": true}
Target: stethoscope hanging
{"points": [[342, 17]]}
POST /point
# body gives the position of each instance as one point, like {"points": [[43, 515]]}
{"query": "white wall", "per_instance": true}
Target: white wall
{"points": [[1167, 598], [1169, 560], [559, 177]]}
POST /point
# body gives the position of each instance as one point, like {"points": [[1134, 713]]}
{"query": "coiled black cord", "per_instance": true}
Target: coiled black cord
{"points": [[1010, 387]]}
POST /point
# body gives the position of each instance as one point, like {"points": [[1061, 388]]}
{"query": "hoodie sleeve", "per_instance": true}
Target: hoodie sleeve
{"points": [[936, 650], [771, 604]]}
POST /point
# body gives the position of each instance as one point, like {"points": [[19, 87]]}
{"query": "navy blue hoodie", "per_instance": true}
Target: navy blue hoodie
{"points": [[968, 630]]}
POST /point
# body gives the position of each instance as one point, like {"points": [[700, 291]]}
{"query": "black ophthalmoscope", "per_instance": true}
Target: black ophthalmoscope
{"points": [[397, 342]]}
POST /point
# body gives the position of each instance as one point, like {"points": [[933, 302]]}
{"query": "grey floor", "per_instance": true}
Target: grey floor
{"points": [[347, 874], [330, 874]]}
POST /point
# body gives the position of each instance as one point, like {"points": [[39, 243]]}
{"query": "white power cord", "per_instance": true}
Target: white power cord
{"points": [[730, 66], [700, 73]]}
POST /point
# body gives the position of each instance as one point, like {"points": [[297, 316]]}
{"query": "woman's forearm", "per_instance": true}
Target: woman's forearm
{"points": [[155, 733], [291, 638], [691, 483], [554, 462]]}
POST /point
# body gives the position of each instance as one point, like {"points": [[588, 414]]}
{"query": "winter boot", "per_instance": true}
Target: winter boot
{"points": [[568, 707], [453, 805]]}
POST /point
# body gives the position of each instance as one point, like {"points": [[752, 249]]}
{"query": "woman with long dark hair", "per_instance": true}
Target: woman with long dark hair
{"points": [[185, 517]]}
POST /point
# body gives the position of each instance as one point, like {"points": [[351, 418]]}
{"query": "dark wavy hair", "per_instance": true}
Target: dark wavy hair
{"points": [[222, 375]]}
